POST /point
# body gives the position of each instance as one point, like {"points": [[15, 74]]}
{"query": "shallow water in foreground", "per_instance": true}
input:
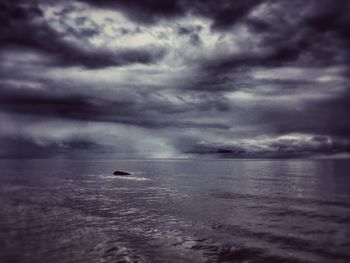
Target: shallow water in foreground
{"points": [[175, 211]]}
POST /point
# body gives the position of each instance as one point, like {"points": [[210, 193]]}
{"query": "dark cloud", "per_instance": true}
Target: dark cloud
{"points": [[149, 112], [188, 30], [191, 32], [219, 150], [27, 147], [323, 117], [23, 27], [148, 11], [276, 148], [256, 79], [317, 37], [224, 13]]}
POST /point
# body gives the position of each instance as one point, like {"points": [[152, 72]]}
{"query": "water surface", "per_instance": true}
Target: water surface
{"points": [[175, 211]]}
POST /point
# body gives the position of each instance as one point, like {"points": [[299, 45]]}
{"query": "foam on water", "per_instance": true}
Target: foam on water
{"points": [[134, 176], [128, 177]]}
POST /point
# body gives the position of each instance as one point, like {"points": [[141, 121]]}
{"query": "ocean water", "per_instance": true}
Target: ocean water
{"points": [[175, 211]]}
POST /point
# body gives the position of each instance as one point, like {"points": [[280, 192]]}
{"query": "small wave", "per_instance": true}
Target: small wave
{"points": [[111, 251], [283, 212], [286, 242], [277, 199]]}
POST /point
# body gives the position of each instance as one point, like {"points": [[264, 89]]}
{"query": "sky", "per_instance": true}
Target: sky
{"points": [[174, 79]]}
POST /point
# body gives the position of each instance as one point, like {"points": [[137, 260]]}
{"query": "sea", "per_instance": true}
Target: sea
{"points": [[174, 210]]}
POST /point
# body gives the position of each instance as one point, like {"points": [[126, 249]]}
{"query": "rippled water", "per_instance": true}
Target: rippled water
{"points": [[175, 211]]}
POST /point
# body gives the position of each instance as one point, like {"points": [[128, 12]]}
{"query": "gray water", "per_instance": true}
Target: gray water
{"points": [[175, 211]]}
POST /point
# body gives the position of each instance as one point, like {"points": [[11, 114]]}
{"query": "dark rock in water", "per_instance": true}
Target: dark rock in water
{"points": [[120, 173]]}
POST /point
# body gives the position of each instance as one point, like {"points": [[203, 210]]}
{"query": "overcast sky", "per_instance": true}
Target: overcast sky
{"points": [[179, 78]]}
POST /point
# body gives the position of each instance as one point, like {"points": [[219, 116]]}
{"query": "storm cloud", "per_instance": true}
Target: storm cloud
{"points": [[24, 27], [235, 79]]}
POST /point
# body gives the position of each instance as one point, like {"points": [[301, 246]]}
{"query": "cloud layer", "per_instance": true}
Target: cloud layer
{"points": [[236, 79]]}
